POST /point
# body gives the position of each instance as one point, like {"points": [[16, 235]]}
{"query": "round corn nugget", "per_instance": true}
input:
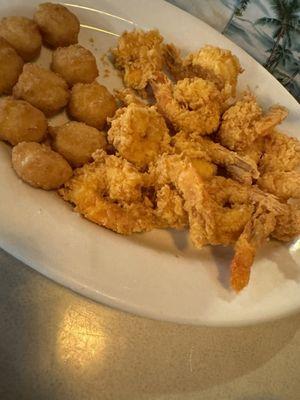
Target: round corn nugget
{"points": [[76, 142], [59, 27], [11, 65], [21, 122], [75, 64], [23, 35], [91, 103], [39, 166], [42, 88]]}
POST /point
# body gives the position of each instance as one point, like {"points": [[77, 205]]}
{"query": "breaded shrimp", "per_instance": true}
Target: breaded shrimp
{"points": [[139, 134], [256, 150], [128, 96], [241, 168], [209, 222], [109, 193], [139, 55], [170, 208], [282, 153], [211, 63], [256, 232], [245, 122], [288, 223], [192, 105], [284, 185]]}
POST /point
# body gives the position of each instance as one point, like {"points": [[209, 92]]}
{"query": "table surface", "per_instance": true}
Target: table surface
{"points": [[56, 344]]}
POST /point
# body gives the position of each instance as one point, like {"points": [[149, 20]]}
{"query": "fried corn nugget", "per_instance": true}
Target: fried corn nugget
{"points": [[76, 142], [39, 166], [245, 122], [91, 103], [139, 134], [23, 35], [42, 88], [11, 65], [21, 122], [58, 25], [192, 105], [210, 63], [109, 193], [75, 64], [282, 153], [139, 55]]}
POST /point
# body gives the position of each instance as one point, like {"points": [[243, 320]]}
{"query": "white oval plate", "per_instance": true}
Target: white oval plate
{"points": [[157, 274]]}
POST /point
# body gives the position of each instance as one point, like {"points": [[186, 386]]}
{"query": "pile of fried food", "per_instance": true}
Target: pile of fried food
{"points": [[174, 149]]}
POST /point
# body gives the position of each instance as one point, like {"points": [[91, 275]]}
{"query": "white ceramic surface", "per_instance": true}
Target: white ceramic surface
{"points": [[157, 274]]}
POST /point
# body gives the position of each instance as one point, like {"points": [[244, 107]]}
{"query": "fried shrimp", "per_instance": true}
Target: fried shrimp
{"points": [[139, 55], [245, 122], [210, 63], [284, 185], [192, 104], [241, 168], [256, 232], [139, 134], [170, 208], [178, 171], [282, 153], [109, 193], [128, 96], [287, 223], [208, 220]]}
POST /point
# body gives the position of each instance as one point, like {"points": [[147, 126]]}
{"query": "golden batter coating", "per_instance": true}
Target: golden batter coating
{"points": [[244, 122], [192, 104], [282, 153], [139, 134], [109, 193], [139, 55], [284, 185], [211, 63]]}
